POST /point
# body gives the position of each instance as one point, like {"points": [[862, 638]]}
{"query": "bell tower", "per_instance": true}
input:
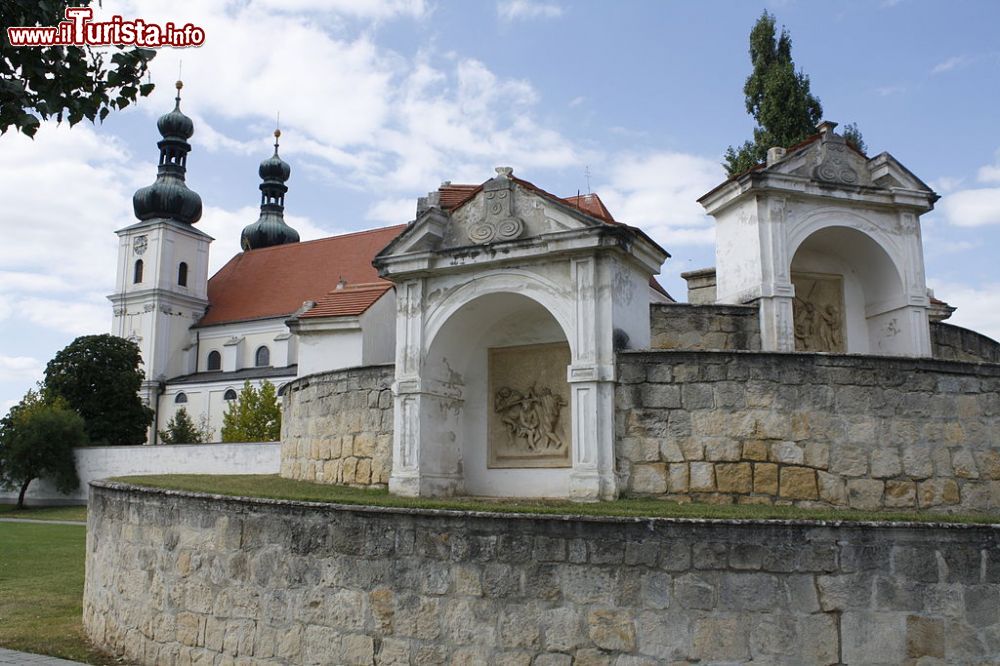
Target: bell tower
{"points": [[162, 283]]}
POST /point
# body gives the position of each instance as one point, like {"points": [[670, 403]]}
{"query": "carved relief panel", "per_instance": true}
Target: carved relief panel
{"points": [[529, 410], [818, 312]]}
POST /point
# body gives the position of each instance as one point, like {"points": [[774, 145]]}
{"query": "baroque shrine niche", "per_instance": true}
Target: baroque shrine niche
{"points": [[529, 420]]}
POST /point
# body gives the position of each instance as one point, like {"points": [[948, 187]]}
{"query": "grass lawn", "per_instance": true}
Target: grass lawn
{"points": [[45, 512], [275, 487], [41, 591]]}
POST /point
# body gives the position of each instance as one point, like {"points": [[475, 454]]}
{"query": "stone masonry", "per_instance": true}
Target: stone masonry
{"points": [[337, 427], [809, 429], [954, 343], [177, 578], [687, 326]]}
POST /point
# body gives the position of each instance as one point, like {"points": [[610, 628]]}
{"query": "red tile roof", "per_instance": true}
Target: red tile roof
{"points": [[350, 301], [275, 281], [592, 205], [451, 196]]}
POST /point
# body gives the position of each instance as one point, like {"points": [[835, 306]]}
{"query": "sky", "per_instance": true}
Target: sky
{"points": [[382, 100]]}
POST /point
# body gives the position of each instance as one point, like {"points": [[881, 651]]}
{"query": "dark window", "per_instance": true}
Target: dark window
{"points": [[263, 357], [230, 394], [182, 274], [137, 274], [281, 389], [214, 360], [180, 398]]}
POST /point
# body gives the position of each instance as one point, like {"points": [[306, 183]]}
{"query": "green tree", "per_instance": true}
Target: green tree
{"points": [[777, 97], [254, 416], [182, 429], [37, 440], [99, 377], [69, 82]]}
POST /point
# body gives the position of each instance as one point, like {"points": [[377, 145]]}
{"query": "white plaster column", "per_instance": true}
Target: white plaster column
{"points": [[405, 476], [425, 462], [777, 328], [591, 380]]}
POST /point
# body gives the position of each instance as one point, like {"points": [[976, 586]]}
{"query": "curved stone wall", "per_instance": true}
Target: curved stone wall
{"points": [[954, 343], [176, 578], [336, 427], [811, 429]]}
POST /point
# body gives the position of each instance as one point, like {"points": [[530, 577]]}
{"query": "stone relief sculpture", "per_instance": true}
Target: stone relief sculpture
{"points": [[531, 419], [499, 222], [528, 408], [818, 312]]}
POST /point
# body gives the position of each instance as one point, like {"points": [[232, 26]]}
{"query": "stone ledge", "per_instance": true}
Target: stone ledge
{"points": [[119, 486]]}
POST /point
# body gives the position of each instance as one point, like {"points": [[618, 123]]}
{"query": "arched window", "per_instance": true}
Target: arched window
{"points": [[180, 398], [230, 394], [281, 390], [214, 360], [263, 357], [182, 274], [137, 274]]}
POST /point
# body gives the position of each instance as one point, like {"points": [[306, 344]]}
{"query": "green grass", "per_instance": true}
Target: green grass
{"points": [[274, 487], [41, 591], [45, 512]]}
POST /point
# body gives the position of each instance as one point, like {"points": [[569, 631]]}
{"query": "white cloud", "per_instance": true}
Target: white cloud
{"points": [[365, 9], [990, 173], [978, 306], [512, 10], [577, 101], [392, 211], [659, 193], [973, 207], [949, 64], [225, 226], [20, 368], [886, 91]]}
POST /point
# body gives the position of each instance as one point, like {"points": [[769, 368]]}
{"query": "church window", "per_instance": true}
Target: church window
{"points": [[263, 357], [137, 273], [180, 398], [182, 274], [230, 394], [214, 360]]}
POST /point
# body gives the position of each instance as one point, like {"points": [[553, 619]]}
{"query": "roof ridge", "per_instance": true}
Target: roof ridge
{"points": [[330, 238]]}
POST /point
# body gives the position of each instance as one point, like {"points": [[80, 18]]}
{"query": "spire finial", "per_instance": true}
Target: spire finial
{"points": [[277, 131], [177, 100]]}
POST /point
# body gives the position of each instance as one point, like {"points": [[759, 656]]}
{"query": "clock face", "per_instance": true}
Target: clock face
{"points": [[139, 244]]}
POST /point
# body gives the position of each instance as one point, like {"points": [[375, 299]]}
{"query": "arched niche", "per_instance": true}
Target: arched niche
{"points": [[501, 423], [849, 295]]}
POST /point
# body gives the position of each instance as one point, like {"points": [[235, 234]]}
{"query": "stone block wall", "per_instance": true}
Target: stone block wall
{"points": [[178, 578], [337, 427], [809, 429], [954, 343], [687, 326]]}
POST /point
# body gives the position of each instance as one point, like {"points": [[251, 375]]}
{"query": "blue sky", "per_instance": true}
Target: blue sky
{"points": [[381, 100]]}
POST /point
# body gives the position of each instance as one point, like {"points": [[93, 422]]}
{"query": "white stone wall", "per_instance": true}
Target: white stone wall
{"points": [[102, 462]]}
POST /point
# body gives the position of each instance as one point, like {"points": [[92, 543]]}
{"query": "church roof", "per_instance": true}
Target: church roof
{"points": [[276, 281], [350, 300]]}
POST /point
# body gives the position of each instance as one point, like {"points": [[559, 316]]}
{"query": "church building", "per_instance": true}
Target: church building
{"points": [[511, 342]]}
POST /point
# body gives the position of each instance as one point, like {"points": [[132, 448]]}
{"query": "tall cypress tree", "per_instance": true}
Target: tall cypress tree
{"points": [[777, 97]]}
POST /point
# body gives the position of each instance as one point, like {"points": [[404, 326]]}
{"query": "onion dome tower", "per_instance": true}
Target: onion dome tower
{"points": [[169, 197], [270, 229]]}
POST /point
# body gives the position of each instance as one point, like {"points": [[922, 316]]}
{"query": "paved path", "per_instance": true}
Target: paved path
{"points": [[12, 658], [41, 522]]}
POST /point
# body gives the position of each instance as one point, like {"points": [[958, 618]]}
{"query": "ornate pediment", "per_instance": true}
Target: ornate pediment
{"points": [[498, 221]]}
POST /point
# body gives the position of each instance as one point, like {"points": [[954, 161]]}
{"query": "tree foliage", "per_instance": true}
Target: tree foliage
{"points": [[99, 377], [37, 440], [778, 98], [254, 416], [181, 429], [69, 82]]}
